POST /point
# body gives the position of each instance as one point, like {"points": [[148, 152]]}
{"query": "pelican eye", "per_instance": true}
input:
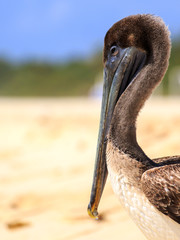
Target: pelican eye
{"points": [[114, 50]]}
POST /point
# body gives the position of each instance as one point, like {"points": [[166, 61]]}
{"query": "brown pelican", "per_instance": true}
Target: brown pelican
{"points": [[136, 56]]}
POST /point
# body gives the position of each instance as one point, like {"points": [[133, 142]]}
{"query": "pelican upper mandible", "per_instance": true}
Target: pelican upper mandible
{"points": [[136, 57]]}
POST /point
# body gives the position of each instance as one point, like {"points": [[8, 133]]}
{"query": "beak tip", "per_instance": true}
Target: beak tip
{"points": [[92, 212]]}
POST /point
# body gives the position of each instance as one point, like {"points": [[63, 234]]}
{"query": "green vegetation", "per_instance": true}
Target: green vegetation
{"points": [[46, 79], [74, 78], [173, 63]]}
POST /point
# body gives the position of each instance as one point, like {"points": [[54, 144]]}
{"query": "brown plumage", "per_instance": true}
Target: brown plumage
{"points": [[161, 186], [136, 53], [151, 35]]}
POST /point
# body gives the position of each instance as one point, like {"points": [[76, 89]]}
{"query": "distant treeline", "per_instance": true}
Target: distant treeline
{"points": [[74, 78], [171, 80]]}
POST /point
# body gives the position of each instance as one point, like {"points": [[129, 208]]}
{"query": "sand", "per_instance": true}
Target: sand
{"points": [[47, 156]]}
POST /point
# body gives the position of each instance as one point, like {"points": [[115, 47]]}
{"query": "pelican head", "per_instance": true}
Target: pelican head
{"points": [[129, 46]]}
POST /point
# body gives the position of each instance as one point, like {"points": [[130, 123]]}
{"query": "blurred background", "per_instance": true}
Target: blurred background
{"points": [[54, 48], [51, 77]]}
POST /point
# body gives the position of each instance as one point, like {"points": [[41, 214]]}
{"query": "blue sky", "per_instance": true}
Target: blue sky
{"points": [[61, 29]]}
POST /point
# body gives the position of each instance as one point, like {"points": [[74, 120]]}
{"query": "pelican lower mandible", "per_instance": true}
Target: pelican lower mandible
{"points": [[136, 56]]}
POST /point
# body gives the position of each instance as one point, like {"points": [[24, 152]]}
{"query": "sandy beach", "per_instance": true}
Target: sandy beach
{"points": [[47, 151]]}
